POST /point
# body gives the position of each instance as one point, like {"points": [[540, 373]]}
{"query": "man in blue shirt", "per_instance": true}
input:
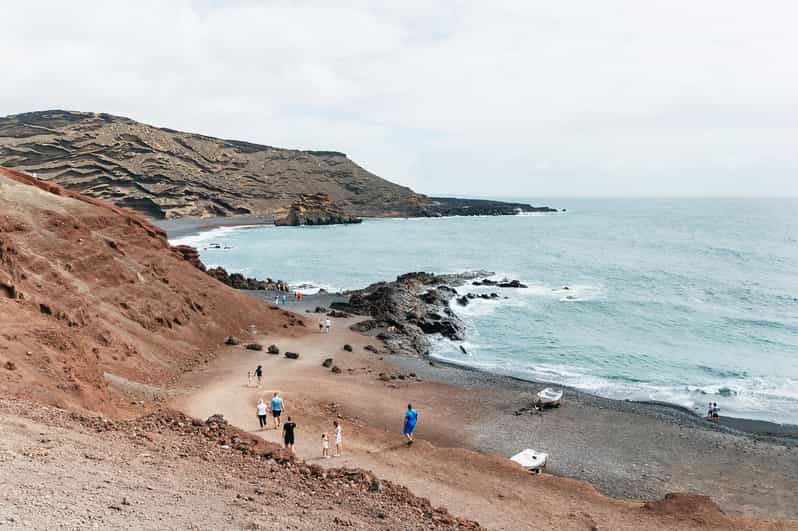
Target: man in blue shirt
{"points": [[278, 404], [411, 417]]}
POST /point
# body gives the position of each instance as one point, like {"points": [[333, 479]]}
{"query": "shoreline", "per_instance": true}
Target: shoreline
{"points": [[755, 428], [762, 430], [184, 227]]}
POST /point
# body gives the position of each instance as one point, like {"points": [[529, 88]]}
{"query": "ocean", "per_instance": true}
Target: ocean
{"points": [[678, 300]]}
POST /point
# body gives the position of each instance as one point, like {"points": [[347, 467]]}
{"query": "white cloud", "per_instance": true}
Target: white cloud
{"points": [[507, 98]]}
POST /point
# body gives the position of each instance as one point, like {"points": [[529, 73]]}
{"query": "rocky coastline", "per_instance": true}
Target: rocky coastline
{"points": [[405, 312], [234, 280]]}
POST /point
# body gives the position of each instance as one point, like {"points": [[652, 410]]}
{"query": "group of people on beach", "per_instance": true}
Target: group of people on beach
{"points": [[325, 325], [276, 407], [283, 298], [713, 412]]}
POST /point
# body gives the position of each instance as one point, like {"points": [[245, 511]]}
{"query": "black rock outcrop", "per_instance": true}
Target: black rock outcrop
{"points": [[405, 311]]}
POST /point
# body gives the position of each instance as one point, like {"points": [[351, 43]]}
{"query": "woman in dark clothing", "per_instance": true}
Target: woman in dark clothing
{"points": [[288, 434]]}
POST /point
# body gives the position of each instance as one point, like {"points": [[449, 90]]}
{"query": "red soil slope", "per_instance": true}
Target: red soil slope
{"points": [[87, 288]]}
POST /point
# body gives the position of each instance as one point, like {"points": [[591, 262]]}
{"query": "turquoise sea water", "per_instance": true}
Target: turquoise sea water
{"points": [[684, 301]]}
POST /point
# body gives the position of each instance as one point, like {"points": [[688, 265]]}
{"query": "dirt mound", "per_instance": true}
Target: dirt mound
{"points": [[693, 508], [90, 292], [218, 478]]}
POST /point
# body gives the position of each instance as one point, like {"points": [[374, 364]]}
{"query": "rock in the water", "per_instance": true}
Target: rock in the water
{"points": [[232, 340], [254, 346], [292, 355], [273, 349], [511, 284], [327, 362], [414, 305], [315, 209]]}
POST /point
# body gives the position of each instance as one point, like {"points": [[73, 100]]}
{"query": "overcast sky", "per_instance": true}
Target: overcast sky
{"points": [[527, 98]]}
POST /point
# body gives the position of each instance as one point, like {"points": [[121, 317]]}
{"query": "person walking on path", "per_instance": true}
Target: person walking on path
{"points": [[249, 379], [288, 434], [321, 326], [411, 417], [262, 410], [259, 374], [339, 440], [278, 404], [327, 325]]}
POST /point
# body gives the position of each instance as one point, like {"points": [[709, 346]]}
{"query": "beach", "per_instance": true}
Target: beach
{"points": [[468, 428], [605, 454]]}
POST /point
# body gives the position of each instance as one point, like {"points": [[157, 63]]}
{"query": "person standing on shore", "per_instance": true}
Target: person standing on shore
{"points": [[411, 418], [715, 413], [282, 299], [288, 434], [262, 414], [259, 374], [327, 325], [339, 440], [321, 326], [278, 404]]}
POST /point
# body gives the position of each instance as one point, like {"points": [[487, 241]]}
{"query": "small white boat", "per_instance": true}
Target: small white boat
{"points": [[531, 460], [549, 397]]}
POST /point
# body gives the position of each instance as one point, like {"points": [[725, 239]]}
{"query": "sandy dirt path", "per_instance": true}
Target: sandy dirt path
{"points": [[482, 487]]}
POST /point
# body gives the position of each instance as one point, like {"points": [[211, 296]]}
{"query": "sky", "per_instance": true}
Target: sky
{"points": [[501, 98]]}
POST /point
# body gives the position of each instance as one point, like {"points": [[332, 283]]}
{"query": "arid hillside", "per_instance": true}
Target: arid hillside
{"points": [[169, 174], [92, 294]]}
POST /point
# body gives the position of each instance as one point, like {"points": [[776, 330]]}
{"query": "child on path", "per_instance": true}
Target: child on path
{"points": [[249, 378], [339, 441], [325, 446]]}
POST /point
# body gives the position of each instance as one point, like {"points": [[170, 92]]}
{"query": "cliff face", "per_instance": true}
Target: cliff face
{"points": [[169, 174], [90, 293]]}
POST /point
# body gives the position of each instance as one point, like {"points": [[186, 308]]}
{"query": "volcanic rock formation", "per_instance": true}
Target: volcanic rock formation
{"points": [[91, 294], [167, 174]]}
